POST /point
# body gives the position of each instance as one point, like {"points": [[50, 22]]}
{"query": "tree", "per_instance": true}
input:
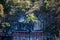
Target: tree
{"points": [[31, 17], [1, 10], [16, 9], [50, 18]]}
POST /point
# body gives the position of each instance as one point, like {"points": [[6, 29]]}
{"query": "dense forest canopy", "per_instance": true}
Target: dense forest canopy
{"points": [[29, 11]]}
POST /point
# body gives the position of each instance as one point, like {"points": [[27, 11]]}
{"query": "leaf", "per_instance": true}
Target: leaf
{"points": [[5, 24], [46, 3], [1, 10], [32, 17]]}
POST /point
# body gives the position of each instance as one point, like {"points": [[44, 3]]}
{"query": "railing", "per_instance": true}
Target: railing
{"points": [[32, 36]]}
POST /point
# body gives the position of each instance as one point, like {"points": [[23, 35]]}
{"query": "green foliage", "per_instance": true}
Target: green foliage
{"points": [[31, 17], [1, 10], [9, 3], [52, 29], [5, 24], [25, 5], [46, 4], [12, 12]]}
